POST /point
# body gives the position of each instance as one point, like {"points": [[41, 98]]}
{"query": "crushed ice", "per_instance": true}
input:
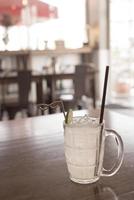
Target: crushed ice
{"points": [[86, 119]]}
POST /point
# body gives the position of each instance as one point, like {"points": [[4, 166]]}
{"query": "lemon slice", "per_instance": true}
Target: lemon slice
{"points": [[69, 117]]}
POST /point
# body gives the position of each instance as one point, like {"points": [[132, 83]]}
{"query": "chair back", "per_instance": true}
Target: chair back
{"points": [[84, 82], [24, 84]]}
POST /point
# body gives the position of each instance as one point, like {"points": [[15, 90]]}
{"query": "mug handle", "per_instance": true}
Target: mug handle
{"points": [[117, 165]]}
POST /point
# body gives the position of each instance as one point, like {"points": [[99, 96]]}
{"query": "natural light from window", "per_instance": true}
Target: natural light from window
{"points": [[69, 27], [122, 47]]}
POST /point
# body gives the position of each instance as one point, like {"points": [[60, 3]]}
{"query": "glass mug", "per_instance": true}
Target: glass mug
{"points": [[84, 143]]}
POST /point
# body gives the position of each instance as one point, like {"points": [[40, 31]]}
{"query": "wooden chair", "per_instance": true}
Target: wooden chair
{"points": [[84, 85], [14, 105]]}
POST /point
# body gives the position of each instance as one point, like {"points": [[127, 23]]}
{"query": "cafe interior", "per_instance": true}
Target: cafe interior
{"points": [[53, 50], [66, 99]]}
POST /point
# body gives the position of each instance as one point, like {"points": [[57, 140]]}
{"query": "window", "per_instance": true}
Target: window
{"points": [[69, 26], [122, 47]]}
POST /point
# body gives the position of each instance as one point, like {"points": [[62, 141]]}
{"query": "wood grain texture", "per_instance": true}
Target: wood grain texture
{"points": [[32, 162]]}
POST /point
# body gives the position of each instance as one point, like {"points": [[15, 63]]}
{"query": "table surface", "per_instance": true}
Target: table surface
{"points": [[33, 167], [36, 77], [51, 52]]}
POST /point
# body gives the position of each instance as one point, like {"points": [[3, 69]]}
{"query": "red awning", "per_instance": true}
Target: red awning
{"points": [[12, 9]]}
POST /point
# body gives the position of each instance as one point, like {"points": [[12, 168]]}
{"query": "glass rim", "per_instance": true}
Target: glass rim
{"points": [[84, 124]]}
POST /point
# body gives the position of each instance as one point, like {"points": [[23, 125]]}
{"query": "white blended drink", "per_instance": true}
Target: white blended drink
{"points": [[84, 148]]}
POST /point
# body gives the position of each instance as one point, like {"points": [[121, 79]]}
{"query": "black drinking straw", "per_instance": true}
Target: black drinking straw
{"points": [[104, 95]]}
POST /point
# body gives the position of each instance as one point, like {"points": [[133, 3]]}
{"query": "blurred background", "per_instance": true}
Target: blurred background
{"points": [[58, 50]]}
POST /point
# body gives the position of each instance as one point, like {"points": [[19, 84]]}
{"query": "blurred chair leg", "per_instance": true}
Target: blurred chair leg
{"points": [[1, 114], [11, 113]]}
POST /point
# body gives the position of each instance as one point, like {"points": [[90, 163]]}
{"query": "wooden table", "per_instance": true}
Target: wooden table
{"points": [[32, 162], [23, 57], [38, 78]]}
